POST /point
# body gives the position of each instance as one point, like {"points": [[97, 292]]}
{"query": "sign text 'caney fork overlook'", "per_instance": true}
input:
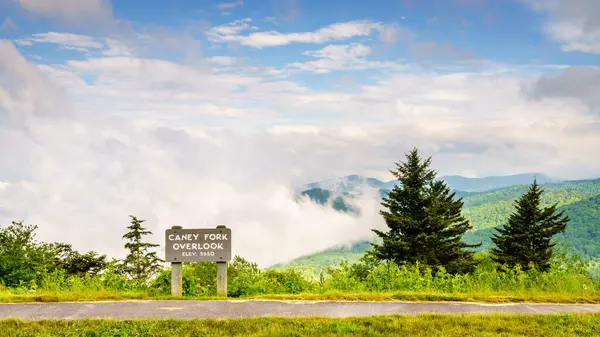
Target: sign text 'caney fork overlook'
{"points": [[198, 245]]}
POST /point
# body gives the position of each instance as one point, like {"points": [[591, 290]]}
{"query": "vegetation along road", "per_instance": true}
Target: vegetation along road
{"points": [[234, 309]]}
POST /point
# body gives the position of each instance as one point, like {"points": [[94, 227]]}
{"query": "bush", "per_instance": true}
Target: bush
{"points": [[283, 282], [243, 278]]}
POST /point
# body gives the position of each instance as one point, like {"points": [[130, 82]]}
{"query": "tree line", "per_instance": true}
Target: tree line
{"points": [[426, 225], [24, 260]]}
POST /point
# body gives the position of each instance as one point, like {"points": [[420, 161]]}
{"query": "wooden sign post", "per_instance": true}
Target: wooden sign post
{"points": [[222, 273], [176, 275], [198, 245]]}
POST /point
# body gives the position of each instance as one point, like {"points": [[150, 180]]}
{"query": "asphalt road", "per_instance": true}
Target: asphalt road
{"points": [[254, 308]]}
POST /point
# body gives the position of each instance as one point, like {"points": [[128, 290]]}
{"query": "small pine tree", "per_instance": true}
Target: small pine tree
{"points": [[425, 221], [140, 264], [527, 236]]}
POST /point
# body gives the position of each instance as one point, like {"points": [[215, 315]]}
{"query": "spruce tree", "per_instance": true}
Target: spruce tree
{"points": [[527, 236], [140, 264], [425, 221]]}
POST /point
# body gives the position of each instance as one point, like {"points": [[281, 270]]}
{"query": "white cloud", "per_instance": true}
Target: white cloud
{"points": [[77, 42], [575, 24], [67, 39], [574, 38], [23, 42], [334, 32], [79, 49], [342, 57], [230, 5], [338, 52], [223, 60], [116, 48], [229, 29]]}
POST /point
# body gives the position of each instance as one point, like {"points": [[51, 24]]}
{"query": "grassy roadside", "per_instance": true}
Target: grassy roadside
{"points": [[496, 297], [492, 297], [419, 325]]}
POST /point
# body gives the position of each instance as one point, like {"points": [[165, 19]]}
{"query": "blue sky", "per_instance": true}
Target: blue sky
{"points": [[210, 112], [501, 31]]}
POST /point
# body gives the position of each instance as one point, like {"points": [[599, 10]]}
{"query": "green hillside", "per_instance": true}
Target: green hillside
{"points": [[486, 210], [313, 264], [582, 234], [491, 209]]}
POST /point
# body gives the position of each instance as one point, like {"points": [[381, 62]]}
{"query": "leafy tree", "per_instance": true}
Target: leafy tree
{"points": [[140, 264], [425, 222], [22, 258], [75, 263], [527, 236]]}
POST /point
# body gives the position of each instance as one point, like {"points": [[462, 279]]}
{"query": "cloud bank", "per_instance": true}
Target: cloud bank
{"points": [[79, 176]]}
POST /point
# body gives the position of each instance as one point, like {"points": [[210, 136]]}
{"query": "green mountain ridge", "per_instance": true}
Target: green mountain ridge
{"points": [[580, 199], [494, 182]]}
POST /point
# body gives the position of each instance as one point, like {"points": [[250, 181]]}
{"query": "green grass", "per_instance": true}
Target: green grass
{"points": [[74, 296], [566, 282], [415, 296], [394, 325]]}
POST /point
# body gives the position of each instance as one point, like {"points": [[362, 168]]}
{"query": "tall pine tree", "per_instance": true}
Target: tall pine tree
{"points": [[527, 236], [140, 264], [424, 220]]}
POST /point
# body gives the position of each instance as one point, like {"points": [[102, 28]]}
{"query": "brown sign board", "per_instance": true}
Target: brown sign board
{"points": [[198, 245]]}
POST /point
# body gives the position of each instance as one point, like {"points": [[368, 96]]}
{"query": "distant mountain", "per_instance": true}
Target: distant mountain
{"points": [[489, 183], [322, 197], [353, 183], [579, 199]]}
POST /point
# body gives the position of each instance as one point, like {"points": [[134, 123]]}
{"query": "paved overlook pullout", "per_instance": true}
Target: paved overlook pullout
{"points": [[255, 308]]}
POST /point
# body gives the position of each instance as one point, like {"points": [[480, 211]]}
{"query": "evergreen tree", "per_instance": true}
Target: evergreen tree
{"points": [[527, 236], [424, 220], [140, 264]]}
